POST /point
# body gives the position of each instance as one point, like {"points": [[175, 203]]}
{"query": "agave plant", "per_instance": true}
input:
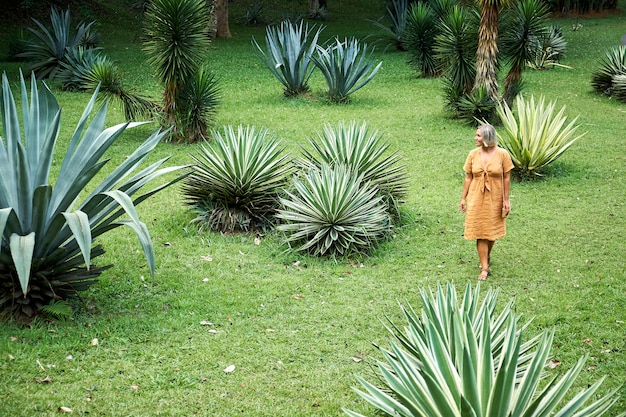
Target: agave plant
{"points": [[50, 47], [289, 55], [461, 360], [87, 69], [237, 179], [537, 136], [347, 67], [619, 87], [47, 231], [547, 49], [397, 14], [422, 27], [613, 63], [365, 153], [331, 212]]}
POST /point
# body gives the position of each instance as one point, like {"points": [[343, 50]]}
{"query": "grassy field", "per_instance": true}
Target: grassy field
{"points": [[292, 325]]}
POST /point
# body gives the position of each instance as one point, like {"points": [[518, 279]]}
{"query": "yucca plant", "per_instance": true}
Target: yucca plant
{"points": [[619, 87], [87, 69], [176, 40], [347, 67], [49, 47], [331, 212], [198, 104], [422, 27], [290, 47], [48, 231], [547, 49], [537, 136], [613, 63], [364, 152], [462, 360], [237, 179]]}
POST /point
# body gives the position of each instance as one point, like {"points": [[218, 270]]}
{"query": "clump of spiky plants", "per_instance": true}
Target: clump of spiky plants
{"points": [[461, 359], [48, 230], [332, 212], [237, 179], [363, 151]]}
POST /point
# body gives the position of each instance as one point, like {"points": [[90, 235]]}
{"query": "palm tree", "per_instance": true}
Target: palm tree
{"points": [[487, 52]]}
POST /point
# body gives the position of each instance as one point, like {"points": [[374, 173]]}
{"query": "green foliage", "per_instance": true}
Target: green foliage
{"points": [[199, 100], [548, 48], [476, 107], [253, 15], [347, 67], [363, 152], [49, 47], [289, 55], [47, 231], [463, 360], [57, 309], [419, 38], [397, 14], [237, 179], [176, 41], [86, 69], [537, 136], [619, 87], [331, 212], [613, 63]]}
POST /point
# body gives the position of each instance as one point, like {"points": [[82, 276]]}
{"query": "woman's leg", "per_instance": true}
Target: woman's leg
{"points": [[482, 247], [491, 242]]}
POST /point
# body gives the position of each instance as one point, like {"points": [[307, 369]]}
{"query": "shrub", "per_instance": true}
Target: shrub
{"points": [[548, 48], [198, 103], [237, 179], [347, 67], [462, 360], [47, 231], [289, 51], [364, 152], [86, 69], [331, 212], [397, 14], [49, 47], [537, 137], [419, 38], [613, 63]]}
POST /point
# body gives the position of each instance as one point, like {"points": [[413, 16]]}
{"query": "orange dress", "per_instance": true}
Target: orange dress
{"points": [[483, 215]]}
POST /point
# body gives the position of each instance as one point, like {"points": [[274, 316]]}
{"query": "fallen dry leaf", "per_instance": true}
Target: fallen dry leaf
{"points": [[206, 323], [213, 331], [356, 359], [206, 258], [13, 338], [587, 340], [298, 297], [270, 330], [205, 280], [11, 357], [94, 342], [135, 387], [257, 241], [229, 369], [592, 368], [553, 363], [65, 410], [46, 380], [69, 357]]}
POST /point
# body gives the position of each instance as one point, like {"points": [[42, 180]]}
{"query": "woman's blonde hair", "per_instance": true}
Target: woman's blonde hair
{"points": [[489, 135]]}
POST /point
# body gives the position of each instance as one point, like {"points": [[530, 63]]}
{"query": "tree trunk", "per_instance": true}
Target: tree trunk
{"points": [[221, 14], [487, 52]]}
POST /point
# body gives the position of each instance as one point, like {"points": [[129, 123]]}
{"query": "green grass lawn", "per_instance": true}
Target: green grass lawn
{"points": [[293, 325]]}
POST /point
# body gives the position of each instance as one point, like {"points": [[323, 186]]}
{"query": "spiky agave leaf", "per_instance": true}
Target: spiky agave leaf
{"points": [[613, 63], [331, 212], [240, 173], [48, 230]]}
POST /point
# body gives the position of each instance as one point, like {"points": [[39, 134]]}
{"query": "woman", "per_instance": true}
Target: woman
{"points": [[486, 187]]}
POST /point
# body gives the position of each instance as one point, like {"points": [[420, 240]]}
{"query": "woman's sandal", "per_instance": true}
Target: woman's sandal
{"points": [[484, 273]]}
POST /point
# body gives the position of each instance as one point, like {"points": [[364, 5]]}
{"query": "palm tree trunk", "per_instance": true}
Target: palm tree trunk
{"points": [[487, 52]]}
